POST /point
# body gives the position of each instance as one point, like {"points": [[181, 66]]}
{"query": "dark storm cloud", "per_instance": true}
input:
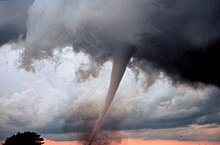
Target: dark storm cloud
{"points": [[187, 43], [13, 14], [178, 37]]}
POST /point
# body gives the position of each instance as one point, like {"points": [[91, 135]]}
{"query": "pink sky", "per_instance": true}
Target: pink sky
{"points": [[139, 142], [136, 142]]}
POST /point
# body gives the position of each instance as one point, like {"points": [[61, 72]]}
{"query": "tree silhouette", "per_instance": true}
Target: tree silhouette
{"points": [[26, 138]]}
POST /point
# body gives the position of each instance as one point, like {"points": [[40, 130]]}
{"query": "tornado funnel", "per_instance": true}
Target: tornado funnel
{"points": [[120, 61]]}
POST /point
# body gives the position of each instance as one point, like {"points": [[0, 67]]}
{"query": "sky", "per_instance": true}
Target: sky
{"points": [[57, 59], [141, 142]]}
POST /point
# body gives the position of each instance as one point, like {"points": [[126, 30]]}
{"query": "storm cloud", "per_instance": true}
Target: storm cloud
{"points": [[13, 14], [165, 38], [179, 38]]}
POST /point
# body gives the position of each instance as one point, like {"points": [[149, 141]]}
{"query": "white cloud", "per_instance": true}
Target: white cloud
{"points": [[51, 96]]}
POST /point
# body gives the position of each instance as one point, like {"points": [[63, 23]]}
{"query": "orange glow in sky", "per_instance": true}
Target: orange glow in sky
{"points": [[138, 142]]}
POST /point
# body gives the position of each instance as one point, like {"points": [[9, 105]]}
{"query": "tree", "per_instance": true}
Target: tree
{"points": [[26, 138]]}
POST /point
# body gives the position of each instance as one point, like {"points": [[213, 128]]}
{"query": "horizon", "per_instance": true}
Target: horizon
{"points": [[135, 141]]}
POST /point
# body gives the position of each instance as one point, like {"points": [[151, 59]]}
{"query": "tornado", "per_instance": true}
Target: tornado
{"points": [[120, 61]]}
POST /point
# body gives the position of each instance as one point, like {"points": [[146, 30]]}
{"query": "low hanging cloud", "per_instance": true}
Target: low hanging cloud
{"points": [[178, 37]]}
